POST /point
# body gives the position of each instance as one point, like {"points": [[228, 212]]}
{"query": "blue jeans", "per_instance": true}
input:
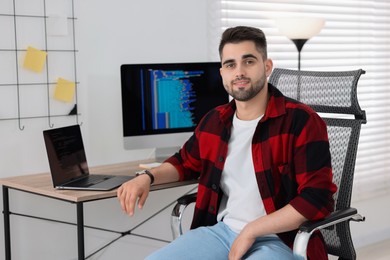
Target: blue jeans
{"points": [[214, 243]]}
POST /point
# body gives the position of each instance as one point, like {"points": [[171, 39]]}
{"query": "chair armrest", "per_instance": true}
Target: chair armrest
{"points": [[334, 218], [187, 199], [308, 227], [177, 213]]}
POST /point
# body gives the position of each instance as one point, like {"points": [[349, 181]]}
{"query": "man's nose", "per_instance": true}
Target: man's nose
{"points": [[239, 71]]}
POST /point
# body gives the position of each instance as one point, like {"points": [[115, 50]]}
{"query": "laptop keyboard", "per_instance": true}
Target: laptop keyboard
{"points": [[91, 180]]}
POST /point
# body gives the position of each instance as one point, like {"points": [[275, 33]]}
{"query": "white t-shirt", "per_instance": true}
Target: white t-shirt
{"points": [[241, 202]]}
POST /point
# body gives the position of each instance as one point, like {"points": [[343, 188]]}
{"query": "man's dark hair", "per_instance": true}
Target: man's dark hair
{"points": [[244, 33]]}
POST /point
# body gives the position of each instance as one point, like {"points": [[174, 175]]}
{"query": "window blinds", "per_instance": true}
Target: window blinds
{"points": [[356, 35]]}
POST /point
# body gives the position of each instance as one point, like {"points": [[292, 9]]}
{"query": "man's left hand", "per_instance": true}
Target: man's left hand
{"points": [[241, 245]]}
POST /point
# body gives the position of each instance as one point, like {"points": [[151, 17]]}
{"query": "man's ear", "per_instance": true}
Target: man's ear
{"points": [[268, 67]]}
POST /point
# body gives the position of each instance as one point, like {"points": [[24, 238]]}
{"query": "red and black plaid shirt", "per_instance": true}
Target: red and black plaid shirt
{"points": [[290, 152]]}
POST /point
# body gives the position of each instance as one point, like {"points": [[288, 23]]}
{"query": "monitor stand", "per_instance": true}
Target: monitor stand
{"points": [[161, 154]]}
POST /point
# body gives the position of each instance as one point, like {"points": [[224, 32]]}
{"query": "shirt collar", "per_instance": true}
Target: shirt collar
{"points": [[276, 104], [275, 107]]}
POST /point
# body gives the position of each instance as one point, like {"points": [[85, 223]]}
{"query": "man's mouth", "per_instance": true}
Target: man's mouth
{"points": [[241, 82]]}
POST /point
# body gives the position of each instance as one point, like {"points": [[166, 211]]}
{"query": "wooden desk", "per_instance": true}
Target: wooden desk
{"points": [[41, 184]]}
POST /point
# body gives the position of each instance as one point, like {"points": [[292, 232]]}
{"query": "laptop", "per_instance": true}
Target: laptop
{"points": [[68, 162]]}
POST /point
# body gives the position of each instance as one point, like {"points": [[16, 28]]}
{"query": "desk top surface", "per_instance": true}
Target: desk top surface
{"points": [[41, 183]]}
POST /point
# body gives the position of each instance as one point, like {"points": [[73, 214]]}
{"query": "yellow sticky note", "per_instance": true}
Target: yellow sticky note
{"points": [[64, 90], [35, 59]]}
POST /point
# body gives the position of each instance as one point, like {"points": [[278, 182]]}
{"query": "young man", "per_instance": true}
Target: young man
{"points": [[263, 164]]}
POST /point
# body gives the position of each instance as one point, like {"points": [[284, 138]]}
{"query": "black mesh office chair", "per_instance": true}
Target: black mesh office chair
{"points": [[333, 95]]}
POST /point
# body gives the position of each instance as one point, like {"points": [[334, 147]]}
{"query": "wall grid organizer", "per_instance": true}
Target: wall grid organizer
{"points": [[29, 95]]}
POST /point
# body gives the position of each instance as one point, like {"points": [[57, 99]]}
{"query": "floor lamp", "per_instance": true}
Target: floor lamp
{"points": [[299, 30]]}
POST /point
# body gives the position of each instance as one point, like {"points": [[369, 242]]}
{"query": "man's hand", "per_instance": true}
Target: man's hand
{"points": [[282, 220], [137, 190], [132, 192], [241, 245]]}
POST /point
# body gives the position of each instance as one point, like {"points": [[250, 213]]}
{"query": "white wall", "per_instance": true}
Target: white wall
{"points": [[110, 33], [119, 32]]}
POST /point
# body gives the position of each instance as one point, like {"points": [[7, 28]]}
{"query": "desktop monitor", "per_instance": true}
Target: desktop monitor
{"points": [[163, 103]]}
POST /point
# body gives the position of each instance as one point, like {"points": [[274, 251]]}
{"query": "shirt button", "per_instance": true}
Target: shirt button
{"points": [[220, 158], [211, 208], [214, 187]]}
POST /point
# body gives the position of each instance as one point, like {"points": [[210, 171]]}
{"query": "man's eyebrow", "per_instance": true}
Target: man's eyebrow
{"points": [[228, 61], [248, 56], [245, 56]]}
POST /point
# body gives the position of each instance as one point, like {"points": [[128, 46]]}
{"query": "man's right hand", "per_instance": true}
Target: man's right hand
{"points": [[134, 192], [137, 190]]}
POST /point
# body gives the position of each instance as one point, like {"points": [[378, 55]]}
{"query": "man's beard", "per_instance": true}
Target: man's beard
{"points": [[246, 94]]}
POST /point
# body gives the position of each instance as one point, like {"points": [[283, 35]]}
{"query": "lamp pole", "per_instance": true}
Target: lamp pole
{"points": [[299, 44]]}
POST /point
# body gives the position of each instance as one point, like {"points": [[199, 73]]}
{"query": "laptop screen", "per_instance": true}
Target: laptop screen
{"points": [[65, 151]]}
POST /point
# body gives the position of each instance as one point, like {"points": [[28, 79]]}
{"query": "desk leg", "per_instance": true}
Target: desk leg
{"points": [[7, 232], [80, 230]]}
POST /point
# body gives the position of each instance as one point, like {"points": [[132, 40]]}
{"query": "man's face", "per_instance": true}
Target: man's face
{"points": [[244, 72]]}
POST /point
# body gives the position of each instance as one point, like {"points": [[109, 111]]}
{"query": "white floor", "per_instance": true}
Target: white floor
{"points": [[379, 251]]}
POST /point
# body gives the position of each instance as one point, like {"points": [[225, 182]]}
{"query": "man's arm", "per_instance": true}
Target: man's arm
{"points": [[282, 220], [136, 190]]}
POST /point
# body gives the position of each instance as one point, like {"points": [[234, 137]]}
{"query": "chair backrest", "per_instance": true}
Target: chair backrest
{"points": [[332, 93]]}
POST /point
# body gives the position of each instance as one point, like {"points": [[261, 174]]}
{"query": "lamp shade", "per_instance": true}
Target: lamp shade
{"points": [[300, 27]]}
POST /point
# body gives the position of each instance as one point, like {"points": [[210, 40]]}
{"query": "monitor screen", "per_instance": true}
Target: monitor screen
{"points": [[163, 103]]}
